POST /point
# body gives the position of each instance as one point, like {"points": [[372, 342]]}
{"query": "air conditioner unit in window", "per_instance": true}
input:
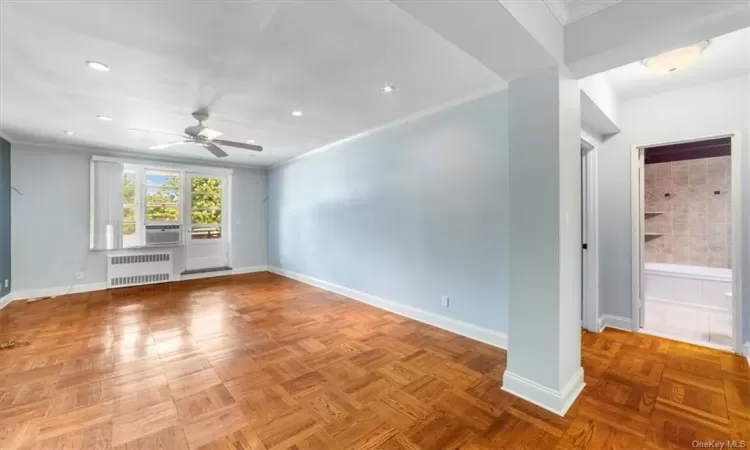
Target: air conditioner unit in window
{"points": [[162, 234]]}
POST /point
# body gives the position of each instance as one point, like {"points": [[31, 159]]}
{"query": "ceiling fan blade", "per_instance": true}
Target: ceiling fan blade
{"points": [[157, 132], [162, 146], [213, 148], [210, 134], [256, 148]]}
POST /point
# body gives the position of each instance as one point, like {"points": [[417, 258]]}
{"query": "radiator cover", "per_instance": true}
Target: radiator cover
{"points": [[134, 269]]}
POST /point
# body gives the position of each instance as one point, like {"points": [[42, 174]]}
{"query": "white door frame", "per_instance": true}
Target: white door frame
{"points": [[637, 241], [226, 193], [590, 269], [737, 230]]}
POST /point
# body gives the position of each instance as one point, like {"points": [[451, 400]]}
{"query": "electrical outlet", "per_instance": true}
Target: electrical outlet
{"points": [[6, 282], [79, 275], [445, 301]]}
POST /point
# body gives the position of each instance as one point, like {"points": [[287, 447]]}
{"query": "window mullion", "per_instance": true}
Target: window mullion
{"points": [[185, 203], [140, 213]]}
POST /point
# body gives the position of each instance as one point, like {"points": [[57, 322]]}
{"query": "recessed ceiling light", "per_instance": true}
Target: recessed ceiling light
{"points": [[676, 59], [104, 118], [251, 141], [297, 113], [389, 88], [99, 67], [68, 133]]}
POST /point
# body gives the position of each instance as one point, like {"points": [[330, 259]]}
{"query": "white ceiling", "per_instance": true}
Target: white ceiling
{"points": [[568, 11], [727, 56], [251, 63]]}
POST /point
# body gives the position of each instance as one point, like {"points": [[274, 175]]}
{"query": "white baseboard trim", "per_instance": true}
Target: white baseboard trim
{"points": [[747, 352], [686, 305], [556, 401], [491, 337], [79, 288], [57, 291], [249, 269], [221, 273], [610, 321], [5, 299]]}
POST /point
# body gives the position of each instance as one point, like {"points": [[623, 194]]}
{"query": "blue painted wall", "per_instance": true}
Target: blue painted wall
{"points": [[58, 178], [4, 216], [408, 213]]}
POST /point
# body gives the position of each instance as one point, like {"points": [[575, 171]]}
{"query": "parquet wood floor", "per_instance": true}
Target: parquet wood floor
{"points": [[262, 362]]}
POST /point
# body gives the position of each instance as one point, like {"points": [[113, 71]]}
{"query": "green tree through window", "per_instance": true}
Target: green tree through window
{"points": [[163, 203], [205, 211], [128, 213]]}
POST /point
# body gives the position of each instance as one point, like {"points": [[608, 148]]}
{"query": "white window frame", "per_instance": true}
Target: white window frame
{"points": [[182, 170], [137, 216], [144, 195]]}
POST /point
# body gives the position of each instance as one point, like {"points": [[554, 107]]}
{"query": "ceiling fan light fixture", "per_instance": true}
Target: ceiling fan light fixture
{"points": [[677, 59], [210, 134], [99, 67], [104, 118], [202, 136], [297, 113]]}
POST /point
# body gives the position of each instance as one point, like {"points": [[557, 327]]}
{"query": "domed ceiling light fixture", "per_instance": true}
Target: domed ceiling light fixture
{"points": [[677, 59]]}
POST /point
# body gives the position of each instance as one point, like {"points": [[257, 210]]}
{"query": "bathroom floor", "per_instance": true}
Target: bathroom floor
{"points": [[701, 327]]}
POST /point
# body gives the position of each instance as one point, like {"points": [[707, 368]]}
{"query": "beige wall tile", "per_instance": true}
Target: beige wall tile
{"points": [[697, 172], [680, 173], [697, 221]]}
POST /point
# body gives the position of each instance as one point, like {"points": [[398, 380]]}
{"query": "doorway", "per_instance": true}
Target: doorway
{"points": [[206, 231], [589, 237], [686, 243]]}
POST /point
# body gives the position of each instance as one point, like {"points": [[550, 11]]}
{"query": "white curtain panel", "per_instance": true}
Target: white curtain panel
{"points": [[106, 205]]}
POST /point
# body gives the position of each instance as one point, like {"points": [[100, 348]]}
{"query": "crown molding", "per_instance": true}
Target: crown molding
{"points": [[404, 120], [136, 155]]}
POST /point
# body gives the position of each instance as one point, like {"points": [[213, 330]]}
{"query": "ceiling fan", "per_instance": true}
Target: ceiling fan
{"points": [[203, 136]]}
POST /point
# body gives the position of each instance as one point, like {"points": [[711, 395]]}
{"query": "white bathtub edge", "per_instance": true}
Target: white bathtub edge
{"points": [[687, 305], [692, 273]]}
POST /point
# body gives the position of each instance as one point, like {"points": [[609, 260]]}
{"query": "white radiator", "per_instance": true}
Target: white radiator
{"points": [[133, 269]]}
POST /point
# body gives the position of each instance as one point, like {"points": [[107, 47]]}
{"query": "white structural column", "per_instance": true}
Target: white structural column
{"points": [[544, 342]]}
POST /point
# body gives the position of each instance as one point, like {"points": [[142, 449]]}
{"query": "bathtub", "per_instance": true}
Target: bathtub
{"points": [[706, 288]]}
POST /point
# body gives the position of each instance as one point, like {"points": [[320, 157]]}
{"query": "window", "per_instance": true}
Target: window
{"points": [[150, 197], [205, 207], [162, 197], [129, 236], [142, 205]]}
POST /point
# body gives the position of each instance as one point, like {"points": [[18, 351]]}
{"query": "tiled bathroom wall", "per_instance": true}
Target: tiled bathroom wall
{"points": [[688, 212]]}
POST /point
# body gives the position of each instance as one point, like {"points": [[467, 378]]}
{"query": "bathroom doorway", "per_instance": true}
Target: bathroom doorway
{"points": [[686, 231]]}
